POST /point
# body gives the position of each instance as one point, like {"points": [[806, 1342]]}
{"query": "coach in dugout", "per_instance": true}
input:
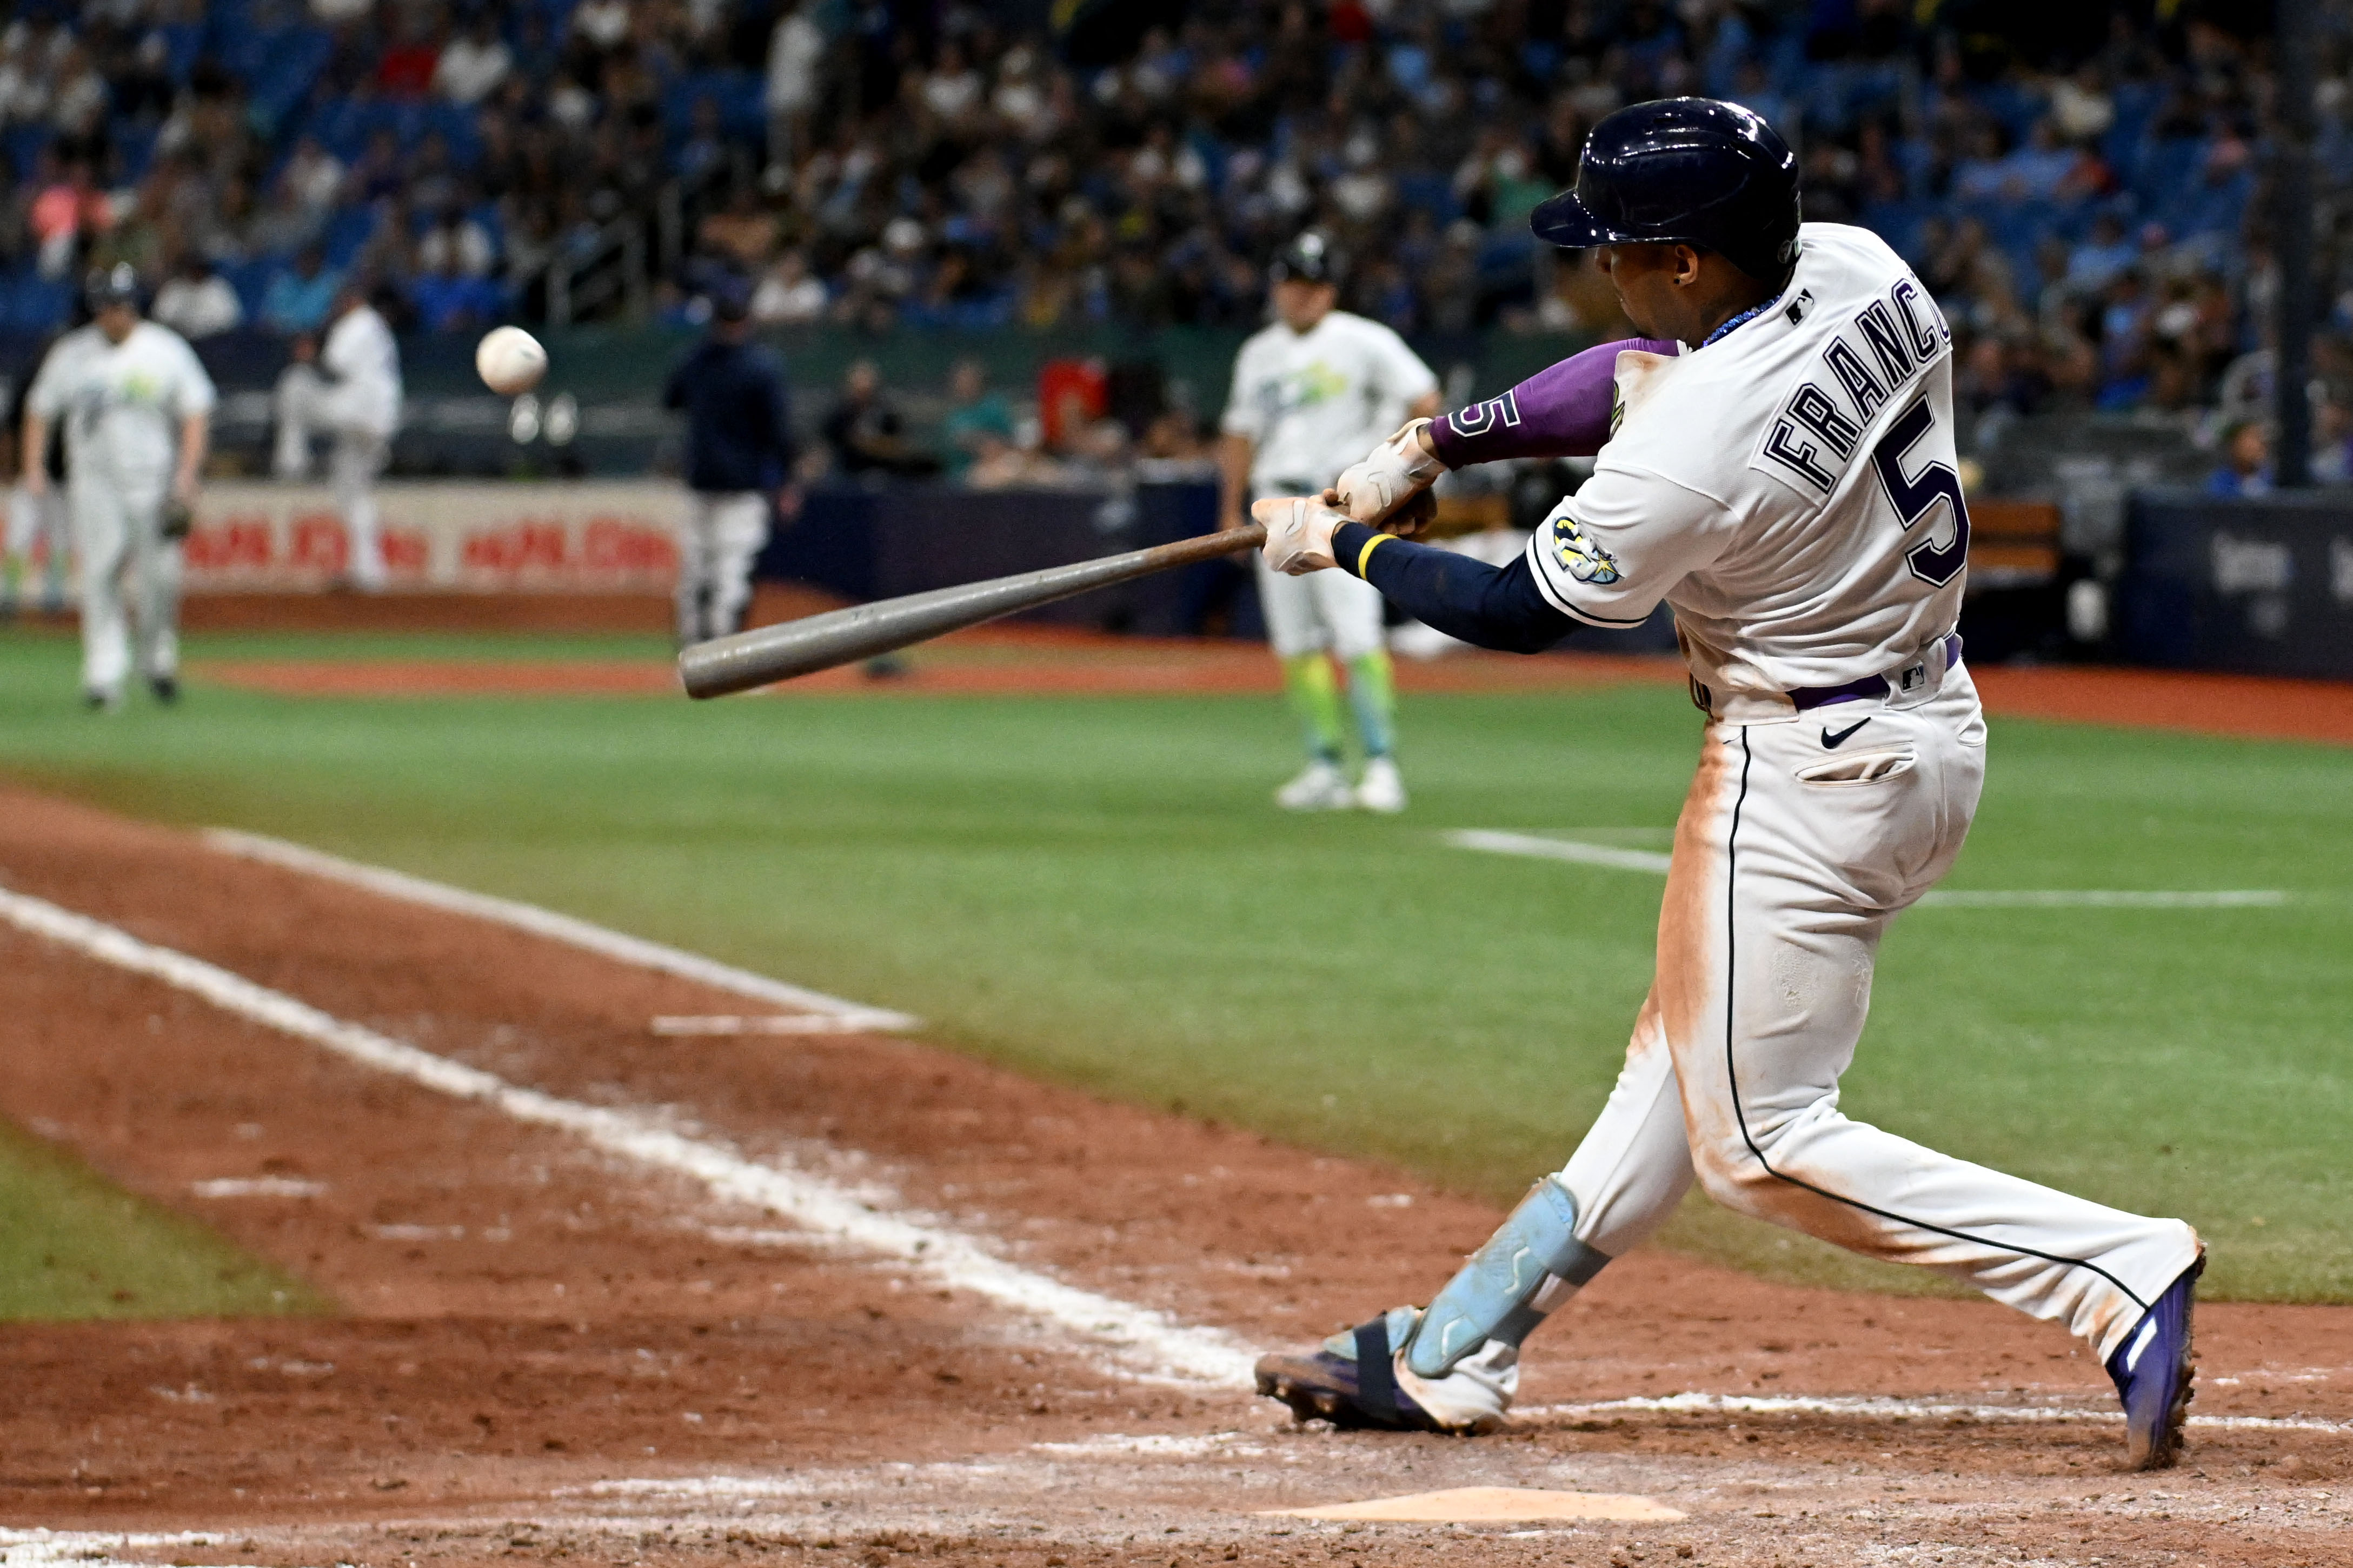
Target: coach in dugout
{"points": [[739, 461]]}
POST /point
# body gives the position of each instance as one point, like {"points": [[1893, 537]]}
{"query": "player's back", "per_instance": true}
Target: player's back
{"points": [[1823, 431]]}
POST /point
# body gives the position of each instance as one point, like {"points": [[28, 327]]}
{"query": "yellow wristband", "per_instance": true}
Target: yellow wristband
{"points": [[1366, 552]]}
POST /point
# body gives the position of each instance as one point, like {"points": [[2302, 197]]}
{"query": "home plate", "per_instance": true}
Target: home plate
{"points": [[1473, 1505]]}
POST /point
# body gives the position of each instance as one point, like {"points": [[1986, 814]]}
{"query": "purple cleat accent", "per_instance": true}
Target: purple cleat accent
{"points": [[2153, 1370]]}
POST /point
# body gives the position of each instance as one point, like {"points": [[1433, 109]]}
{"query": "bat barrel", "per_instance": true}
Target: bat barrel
{"points": [[769, 654]]}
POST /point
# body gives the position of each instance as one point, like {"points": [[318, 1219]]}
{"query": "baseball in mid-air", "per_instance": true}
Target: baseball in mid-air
{"points": [[509, 360]]}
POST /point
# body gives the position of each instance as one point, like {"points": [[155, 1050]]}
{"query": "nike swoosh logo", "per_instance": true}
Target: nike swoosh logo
{"points": [[1832, 742]]}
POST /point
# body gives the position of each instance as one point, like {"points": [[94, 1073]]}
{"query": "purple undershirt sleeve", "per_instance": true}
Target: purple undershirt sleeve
{"points": [[1559, 412]]}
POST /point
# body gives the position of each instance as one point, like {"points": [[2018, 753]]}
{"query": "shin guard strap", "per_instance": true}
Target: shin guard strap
{"points": [[1494, 1294], [1376, 1391]]}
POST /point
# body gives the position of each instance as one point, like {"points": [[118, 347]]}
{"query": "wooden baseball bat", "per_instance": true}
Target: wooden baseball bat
{"points": [[769, 654]]}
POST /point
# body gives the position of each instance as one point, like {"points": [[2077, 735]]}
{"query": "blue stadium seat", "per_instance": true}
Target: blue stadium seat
{"points": [[136, 146], [350, 228], [24, 145], [1431, 193]]}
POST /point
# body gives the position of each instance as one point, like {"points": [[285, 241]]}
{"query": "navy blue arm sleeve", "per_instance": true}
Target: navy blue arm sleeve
{"points": [[1489, 606]]}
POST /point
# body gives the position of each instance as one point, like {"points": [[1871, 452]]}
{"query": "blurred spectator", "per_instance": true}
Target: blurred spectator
{"points": [[475, 62], [788, 295], [977, 417], [447, 300], [406, 67], [602, 23], [67, 208], [299, 299], [196, 301], [945, 166], [791, 92], [864, 432], [2246, 467]]}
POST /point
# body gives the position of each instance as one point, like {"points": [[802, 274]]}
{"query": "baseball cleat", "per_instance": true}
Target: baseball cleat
{"points": [[1330, 1383], [1381, 789], [100, 699], [166, 689], [2153, 1370], [1320, 786]]}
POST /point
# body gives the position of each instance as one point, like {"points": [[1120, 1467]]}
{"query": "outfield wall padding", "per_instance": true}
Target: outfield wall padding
{"points": [[2252, 585]]}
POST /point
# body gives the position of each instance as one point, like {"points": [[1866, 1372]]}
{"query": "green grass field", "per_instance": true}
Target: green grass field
{"points": [[1098, 890], [72, 1245]]}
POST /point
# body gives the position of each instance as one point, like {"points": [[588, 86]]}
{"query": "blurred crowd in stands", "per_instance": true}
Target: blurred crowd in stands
{"points": [[2082, 185]]}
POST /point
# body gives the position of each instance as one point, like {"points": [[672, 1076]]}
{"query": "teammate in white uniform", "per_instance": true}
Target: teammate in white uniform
{"points": [[354, 394], [137, 411], [1310, 392], [1786, 482]]}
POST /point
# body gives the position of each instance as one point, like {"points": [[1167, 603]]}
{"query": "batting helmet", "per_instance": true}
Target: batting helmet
{"points": [[1683, 171], [115, 285], [1309, 259]]}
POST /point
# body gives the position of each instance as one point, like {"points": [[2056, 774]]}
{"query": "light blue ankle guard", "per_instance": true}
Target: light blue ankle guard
{"points": [[1491, 1298]]}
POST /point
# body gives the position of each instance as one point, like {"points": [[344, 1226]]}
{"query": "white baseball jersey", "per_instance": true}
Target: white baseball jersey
{"points": [[1790, 488], [1313, 401], [122, 404], [362, 356]]}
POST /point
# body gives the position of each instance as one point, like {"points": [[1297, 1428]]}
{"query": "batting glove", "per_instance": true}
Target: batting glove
{"points": [[1298, 533], [1396, 471]]}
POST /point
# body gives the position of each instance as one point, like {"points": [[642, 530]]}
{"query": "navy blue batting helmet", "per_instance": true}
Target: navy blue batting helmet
{"points": [[1683, 171], [1309, 259], [115, 285]]}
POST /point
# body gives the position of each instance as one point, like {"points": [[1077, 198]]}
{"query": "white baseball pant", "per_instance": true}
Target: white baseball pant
{"points": [[117, 533], [1791, 856], [1322, 610], [722, 536], [36, 520]]}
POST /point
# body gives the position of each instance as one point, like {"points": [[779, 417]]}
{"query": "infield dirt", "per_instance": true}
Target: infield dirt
{"points": [[546, 1353]]}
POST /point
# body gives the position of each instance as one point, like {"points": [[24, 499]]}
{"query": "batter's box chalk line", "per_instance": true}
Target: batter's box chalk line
{"points": [[1491, 1505], [839, 1017], [91, 1549], [1877, 1409], [1137, 1341], [1577, 852]]}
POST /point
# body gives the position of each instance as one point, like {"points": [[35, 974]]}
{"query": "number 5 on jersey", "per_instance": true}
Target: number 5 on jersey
{"points": [[1915, 497]]}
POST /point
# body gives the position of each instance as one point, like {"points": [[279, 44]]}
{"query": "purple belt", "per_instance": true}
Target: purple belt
{"points": [[1871, 687]]}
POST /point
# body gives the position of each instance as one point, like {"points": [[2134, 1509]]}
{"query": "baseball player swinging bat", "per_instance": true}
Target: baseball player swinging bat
{"points": [[769, 654]]}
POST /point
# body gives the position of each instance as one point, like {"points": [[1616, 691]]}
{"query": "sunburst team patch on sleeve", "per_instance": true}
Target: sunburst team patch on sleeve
{"points": [[1585, 561]]}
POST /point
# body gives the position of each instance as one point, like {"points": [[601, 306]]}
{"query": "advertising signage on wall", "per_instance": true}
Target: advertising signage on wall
{"points": [[2260, 585], [490, 537]]}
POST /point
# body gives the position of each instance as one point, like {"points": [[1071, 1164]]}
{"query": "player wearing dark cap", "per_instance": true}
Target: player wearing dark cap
{"points": [[739, 462], [1776, 464], [1310, 391], [136, 408]]}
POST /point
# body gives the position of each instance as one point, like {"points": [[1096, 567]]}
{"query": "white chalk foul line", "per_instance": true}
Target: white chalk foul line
{"points": [[88, 1549], [718, 1026], [603, 940], [1140, 1338], [1539, 847], [1903, 1410]]}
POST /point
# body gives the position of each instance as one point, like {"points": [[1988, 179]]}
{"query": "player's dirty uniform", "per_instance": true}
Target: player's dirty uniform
{"points": [[1310, 403], [1789, 488], [123, 405]]}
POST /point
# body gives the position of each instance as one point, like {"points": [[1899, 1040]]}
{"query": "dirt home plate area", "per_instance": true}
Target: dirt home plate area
{"points": [[616, 1295]]}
